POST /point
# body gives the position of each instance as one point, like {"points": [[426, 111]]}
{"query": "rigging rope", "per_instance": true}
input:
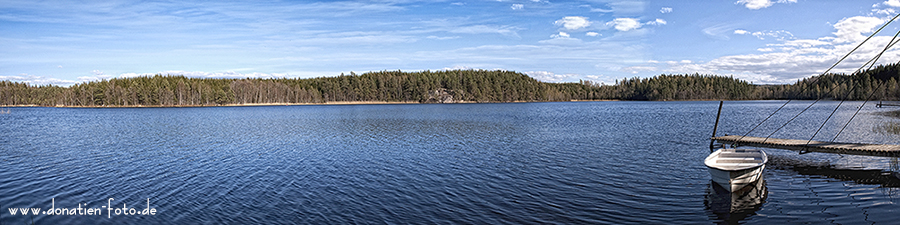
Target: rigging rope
{"points": [[763, 121], [829, 92], [887, 46], [893, 41]]}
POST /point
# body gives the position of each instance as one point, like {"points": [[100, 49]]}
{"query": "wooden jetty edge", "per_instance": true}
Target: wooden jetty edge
{"points": [[813, 146], [880, 104]]}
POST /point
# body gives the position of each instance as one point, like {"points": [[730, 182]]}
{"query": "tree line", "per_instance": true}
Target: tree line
{"points": [[879, 83]]}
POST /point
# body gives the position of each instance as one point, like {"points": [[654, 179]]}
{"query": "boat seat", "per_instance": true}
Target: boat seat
{"points": [[737, 155], [754, 160]]}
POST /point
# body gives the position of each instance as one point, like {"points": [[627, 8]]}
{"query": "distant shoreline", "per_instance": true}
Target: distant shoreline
{"points": [[222, 105], [358, 103], [282, 104]]}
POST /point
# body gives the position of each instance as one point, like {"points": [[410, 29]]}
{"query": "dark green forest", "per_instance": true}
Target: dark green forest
{"points": [[450, 86]]}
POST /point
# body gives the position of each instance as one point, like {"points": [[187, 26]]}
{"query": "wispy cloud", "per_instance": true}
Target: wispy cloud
{"points": [[762, 35], [442, 37], [600, 10], [721, 31], [486, 29]]}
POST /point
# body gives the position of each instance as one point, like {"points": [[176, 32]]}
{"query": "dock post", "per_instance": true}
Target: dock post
{"points": [[715, 127]]}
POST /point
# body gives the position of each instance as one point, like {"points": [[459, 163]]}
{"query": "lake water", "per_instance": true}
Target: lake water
{"points": [[518, 163]]}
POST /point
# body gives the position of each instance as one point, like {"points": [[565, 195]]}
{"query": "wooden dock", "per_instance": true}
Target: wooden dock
{"points": [[813, 146], [880, 104]]}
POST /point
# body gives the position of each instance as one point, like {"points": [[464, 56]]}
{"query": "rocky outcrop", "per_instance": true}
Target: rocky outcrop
{"points": [[441, 95]]}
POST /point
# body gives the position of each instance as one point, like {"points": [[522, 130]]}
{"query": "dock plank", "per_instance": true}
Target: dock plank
{"points": [[813, 146]]}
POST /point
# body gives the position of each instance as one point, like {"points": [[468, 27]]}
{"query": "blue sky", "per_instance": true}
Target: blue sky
{"points": [[762, 41]]}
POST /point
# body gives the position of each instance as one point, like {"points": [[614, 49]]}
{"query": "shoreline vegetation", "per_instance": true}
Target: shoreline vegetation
{"points": [[892, 127], [222, 105], [450, 86]]}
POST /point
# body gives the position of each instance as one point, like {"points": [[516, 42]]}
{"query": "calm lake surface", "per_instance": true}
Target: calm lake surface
{"points": [[518, 163]]}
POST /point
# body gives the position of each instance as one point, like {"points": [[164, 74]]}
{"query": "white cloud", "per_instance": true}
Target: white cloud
{"points": [[638, 69], [657, 22], [892, 3], [561, 38], [592, 34], [457, 67], [573, 22], [791, 59], [560, 35], [38, 80], [804, 43], [547, 76], [795, 59], [96, 77], [625, 24], [760, 4], [665, 10], [755, 4], [517, 7], [888, 11], [852, 29], [199, 74], [227, 74]]}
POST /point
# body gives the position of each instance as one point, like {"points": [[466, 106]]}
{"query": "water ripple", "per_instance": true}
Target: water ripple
{"points": [[535, 163]]}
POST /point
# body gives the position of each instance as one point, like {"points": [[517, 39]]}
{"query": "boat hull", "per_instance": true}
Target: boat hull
{"points": [[736, 180], [734, 169]]}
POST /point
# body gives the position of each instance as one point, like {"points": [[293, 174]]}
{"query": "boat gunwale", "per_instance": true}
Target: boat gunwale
{"points": [[763, 159]]}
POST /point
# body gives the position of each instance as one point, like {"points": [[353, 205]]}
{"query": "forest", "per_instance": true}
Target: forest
{"points": [[446, 86]]}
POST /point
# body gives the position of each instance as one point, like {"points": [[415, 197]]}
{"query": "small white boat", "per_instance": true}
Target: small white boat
{"points": [[734, 169]]}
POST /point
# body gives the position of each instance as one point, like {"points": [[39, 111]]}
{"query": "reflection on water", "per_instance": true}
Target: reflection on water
{"points": [[733, 207], [877, 177], [530, 163], [821, 188], [886, 178]]}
